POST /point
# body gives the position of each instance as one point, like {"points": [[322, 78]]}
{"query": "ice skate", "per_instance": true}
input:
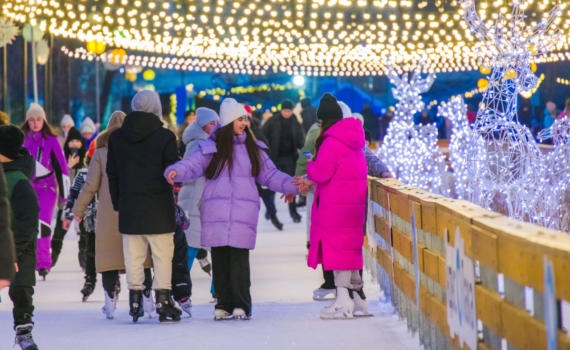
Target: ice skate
{"points": [[205, 265], [110, 306], [293, 212], [135, 302], [341, 308], [118, 288], [24, 337], [88, 288], [148, 302], [275, 221], [165, 308], [220, 315], [186, 305], [322, 293], [43, 273], [360, 304], [239, 314]]}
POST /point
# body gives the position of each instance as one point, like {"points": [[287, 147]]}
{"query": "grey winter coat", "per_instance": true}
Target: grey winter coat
{"points": [[191, 191]]}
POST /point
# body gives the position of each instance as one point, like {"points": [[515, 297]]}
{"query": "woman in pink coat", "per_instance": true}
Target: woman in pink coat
{"points": [[339, 171]]}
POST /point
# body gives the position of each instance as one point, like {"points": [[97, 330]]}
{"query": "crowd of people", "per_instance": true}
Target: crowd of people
{"points": [[148, 203]]}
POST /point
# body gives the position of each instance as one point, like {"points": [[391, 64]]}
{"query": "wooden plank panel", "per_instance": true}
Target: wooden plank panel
{"points": [[485, 248], [561, 264], [393, 199], [418, 213], [409, 289], [382, 227], [428, 219], [520, 263], [514, 325], [403, 244], [488, 304], [441, 270], [398, 274], [466, 234], [535, 332], [483, 346], [388, 262], [421, 248], [431, 267], [563, 341]]}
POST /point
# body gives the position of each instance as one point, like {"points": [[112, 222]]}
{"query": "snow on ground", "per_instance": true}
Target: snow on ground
{"points": [[284, 314]]}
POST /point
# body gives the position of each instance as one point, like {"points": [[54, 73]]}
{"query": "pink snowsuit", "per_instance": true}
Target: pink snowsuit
{"points": [[338, 213], [47, 151]]}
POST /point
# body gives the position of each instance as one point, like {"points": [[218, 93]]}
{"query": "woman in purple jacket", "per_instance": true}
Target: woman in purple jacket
{"points": [[232, 161], [51, 175]]}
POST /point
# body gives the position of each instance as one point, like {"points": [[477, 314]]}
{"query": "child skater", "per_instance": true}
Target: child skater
{"points": [[231, 161], [24, 211], [339, 171]]}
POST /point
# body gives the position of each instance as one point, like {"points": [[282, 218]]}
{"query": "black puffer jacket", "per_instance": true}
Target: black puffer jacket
{"points": [[6, 242], [272, 131], [139, 152], [25, 216]]}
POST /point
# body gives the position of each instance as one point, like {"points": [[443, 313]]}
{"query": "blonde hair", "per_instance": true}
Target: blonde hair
{"points": [[4, 118]]}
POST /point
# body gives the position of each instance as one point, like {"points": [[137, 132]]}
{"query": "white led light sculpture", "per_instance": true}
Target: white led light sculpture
{"points": [[456, 111], [411, 151], [503, 157]]}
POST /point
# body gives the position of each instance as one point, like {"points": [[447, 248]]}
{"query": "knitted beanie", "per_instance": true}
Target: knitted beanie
{"points": [[35, 110], [88, 126], [328, 108], [147, 101], [346, 112], [67, 120], [230, 110], [205, 116], [11, 141], [287, 104]]}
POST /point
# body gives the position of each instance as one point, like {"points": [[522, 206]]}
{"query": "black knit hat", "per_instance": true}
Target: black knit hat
{"points": [[287, 104], [11, 141], [329, 108], [74, 134]]}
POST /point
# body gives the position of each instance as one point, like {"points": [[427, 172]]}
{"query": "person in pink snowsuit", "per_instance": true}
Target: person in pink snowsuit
{"points": [[51, 178], [339, 170]]}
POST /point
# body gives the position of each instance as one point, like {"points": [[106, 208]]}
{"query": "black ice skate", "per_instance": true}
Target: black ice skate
{"points": [[165, 308], [43, 273], [135, 304], [24, 337], [275, 221], [118, 287], [88, 287], [293, 212]]}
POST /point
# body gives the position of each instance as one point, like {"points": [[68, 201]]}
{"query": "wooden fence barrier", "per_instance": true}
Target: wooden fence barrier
{"points": [[464, 277]]}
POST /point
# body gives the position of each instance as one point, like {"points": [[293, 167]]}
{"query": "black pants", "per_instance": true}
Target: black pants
{"points": [[22, 297], [57, 238], [181, 282], [232, 278], [329, 279], [110, 280], [268, 198], [288, 166], [87, 244]]}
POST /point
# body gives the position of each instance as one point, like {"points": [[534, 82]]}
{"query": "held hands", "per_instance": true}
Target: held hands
{"points": [[66, 224], [386, 175], [170, 176], [72, 160], [289, 198], [304, 185]]}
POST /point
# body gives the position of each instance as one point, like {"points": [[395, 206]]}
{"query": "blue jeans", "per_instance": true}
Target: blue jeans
{"points": [[192, 252]]}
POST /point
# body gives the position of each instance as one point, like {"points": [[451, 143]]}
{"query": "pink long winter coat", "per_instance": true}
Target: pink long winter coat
{"points": [[338, 212]]}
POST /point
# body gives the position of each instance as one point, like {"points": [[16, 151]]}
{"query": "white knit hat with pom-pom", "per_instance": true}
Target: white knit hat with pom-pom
{"points": [[35, 110]]}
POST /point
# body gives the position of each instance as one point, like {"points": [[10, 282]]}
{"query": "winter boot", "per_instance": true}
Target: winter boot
{"points": [[110, 305], [220, 315], [360, 304], [165, 308], [239, 314], [186, 305], [148, 302], [341, 308], [293, 212], [322, 293], [135, 302], [88, 287], [43, 273], [24, 336], [278, 225]]}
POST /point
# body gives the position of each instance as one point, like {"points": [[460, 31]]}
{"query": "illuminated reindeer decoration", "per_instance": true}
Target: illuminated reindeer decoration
{"points": [[411, 151], [503, 155]]}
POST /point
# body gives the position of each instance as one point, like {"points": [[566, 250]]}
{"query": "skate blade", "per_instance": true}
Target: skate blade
{"points": [[324, 299], [364, 315], [337, 317], [169, 322], [110, 317], [224, 318], [85, 297], [242, 318]]}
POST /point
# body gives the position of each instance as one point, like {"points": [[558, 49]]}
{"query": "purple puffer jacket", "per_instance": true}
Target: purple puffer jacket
{"points": [[230, 205]]}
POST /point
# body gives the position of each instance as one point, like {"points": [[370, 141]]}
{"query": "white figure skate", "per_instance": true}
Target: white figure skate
{"points": [[342, 308]]}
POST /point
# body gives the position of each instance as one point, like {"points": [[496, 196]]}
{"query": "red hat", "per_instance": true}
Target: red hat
{"points": [[248, 109], [91, 151]]}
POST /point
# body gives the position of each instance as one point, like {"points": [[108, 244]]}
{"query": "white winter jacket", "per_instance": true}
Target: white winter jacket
{"points": [[191, 191]]}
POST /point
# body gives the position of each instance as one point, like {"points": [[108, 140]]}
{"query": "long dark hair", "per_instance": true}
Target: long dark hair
{"points": [[325, 125], [46, 129], [225, 154], [74, 134]]}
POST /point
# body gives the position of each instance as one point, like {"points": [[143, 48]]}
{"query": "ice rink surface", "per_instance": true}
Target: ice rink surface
{"points": [[284, 314]]}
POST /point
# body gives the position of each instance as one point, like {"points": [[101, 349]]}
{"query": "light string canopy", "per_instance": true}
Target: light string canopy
{"points": [[410, 151], [300, 37]]}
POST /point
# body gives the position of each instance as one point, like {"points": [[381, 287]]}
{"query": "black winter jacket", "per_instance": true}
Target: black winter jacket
{"points": [[26, 210], [6, 242], [309, 115], [272, 131], [139, 152]]}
